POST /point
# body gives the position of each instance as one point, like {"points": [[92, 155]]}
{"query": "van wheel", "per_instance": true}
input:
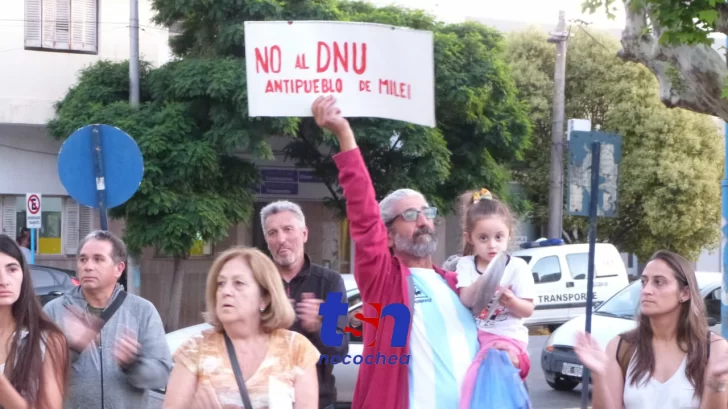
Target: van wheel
{"points": [[563, 385]]}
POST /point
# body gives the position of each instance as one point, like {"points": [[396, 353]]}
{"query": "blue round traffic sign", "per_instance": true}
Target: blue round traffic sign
{"points": [[121, 161]]}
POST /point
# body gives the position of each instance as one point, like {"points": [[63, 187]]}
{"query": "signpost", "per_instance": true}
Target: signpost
{"points": [[33, 219], [101, 167], [594, 159]]}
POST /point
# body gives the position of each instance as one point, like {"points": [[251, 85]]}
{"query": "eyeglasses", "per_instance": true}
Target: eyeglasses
{"points": [[411, 215]]}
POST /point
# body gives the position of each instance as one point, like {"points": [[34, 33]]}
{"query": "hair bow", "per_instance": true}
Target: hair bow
{"points": [[482, 194]]}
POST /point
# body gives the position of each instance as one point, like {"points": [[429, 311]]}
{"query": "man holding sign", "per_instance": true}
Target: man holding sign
{"points": [[395, 241]]}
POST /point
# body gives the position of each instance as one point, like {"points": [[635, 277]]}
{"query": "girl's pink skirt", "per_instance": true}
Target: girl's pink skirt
{"points": [[487, 340]]}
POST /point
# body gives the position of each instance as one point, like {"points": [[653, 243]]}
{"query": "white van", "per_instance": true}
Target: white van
{"points": [[560, 274]]}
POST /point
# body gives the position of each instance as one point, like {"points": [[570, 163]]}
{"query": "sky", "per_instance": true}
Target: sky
{"points": [[531, 11]]}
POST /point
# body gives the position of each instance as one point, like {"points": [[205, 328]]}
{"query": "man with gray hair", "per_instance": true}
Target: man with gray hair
{"points": [[395, 240], [134, 357], [307, 284]]}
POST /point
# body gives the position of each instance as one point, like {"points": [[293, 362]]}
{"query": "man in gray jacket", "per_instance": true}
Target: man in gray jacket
{"points": [[117, 340]]}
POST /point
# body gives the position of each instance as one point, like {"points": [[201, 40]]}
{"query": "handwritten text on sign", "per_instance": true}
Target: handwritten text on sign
{"points": [[373, 70]]}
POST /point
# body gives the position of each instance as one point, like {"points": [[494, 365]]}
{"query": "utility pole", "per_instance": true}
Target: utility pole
{"points": [[132, 274], [556, 180], [134, 53]]}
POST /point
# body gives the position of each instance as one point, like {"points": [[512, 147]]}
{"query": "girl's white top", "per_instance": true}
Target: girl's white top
{"points": [[675, 393], [517, 275]]}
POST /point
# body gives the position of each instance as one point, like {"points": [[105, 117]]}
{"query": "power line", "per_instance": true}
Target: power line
{"points": [[27, 150], [581, 24]]}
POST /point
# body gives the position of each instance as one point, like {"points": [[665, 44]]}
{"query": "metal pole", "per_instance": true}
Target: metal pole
{"points": [[100, 182], [596, 150], [134, 53], [556, 180], [32, 246], [131, 279], [724, 238]]}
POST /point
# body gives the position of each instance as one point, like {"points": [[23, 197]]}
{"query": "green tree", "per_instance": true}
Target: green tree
{"points": [[194, 187], [671, 161], [674, 40]]}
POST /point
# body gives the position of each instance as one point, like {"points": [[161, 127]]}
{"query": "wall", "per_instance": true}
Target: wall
{"points": [[28, 161], [31, 81]]}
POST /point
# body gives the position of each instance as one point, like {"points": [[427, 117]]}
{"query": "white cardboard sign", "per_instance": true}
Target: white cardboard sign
{"points": [[373, 70]]}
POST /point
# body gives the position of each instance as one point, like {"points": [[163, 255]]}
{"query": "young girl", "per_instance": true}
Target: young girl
{"points": [[487, 227]]}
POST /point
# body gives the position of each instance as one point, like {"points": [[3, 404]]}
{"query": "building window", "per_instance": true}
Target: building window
{"points": [[201, 248], [62, 25], [63, 220], [345, 248]]}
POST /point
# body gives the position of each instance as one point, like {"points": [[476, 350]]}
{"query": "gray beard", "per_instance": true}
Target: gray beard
{"points": [[419, 250]]}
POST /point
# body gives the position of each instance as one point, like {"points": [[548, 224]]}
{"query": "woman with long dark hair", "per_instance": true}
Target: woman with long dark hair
{"points": [[670, 360], [33, 351]]}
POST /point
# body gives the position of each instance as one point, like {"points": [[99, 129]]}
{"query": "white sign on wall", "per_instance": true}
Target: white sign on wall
{"points": [[373, 70], [32, 211]]}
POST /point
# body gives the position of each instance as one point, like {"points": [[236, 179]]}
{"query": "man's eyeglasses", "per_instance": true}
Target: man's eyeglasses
{"points": [[411, 215]]}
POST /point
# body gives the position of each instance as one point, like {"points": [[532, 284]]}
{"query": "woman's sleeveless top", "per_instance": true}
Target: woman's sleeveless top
{"points": [[23, 335], [675, 393]]}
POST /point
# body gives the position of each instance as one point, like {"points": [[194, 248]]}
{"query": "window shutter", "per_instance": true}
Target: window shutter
{"points": [[9, 217], [85, 221], [33, 23], [84, 25], [71, 226], [48, 28], [63, 24]]}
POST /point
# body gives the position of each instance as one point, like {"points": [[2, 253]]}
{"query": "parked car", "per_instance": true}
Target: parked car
{"points": [[51, 282], [345, 374], [559, 362]]}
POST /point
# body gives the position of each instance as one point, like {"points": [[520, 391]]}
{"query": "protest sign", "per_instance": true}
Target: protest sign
{"points": [[373, 70]]}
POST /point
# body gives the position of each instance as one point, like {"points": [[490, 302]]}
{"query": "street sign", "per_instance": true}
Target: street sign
{"points": [[100, 166], [33, 210], [594, 159], [579, 165]]}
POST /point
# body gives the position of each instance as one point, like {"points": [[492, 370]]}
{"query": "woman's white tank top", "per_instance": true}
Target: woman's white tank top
{"points": [[22, 339], [676, 393]]}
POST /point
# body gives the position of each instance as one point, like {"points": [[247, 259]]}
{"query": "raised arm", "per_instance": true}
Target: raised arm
{"points": [[607, 384], [715, 393], [372, 257]]}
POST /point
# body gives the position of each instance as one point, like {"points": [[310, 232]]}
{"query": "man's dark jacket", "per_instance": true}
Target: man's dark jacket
{"points": [[320, 281]]}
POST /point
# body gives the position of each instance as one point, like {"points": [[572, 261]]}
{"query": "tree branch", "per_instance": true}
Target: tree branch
{"points": [[690, 76]]}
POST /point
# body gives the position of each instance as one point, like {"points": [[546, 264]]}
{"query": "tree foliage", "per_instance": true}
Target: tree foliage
{"points": [[187, 127], [671, 162], [483, 125], [480, 123], [682, 22]]}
